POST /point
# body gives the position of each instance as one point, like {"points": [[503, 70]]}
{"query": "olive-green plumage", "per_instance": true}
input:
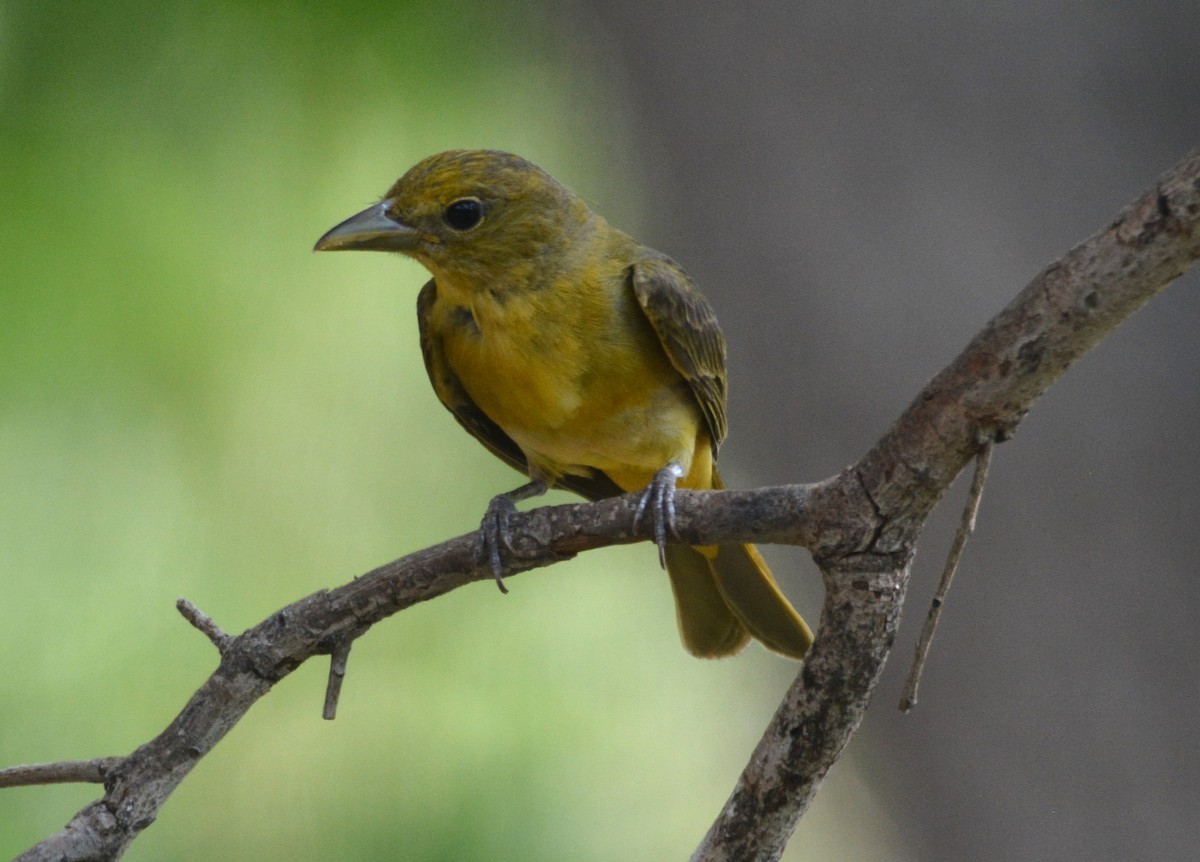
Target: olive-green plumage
{"points": [[579, 357]]}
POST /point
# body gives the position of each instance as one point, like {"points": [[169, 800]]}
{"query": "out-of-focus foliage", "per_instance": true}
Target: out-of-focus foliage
{"points": [[193, 404]]}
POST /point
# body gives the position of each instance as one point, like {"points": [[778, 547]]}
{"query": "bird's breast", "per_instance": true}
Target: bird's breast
{"points": [[576, 379]]}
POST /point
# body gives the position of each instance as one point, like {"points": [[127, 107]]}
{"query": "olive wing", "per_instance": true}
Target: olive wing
{"points": [[687, 328]]}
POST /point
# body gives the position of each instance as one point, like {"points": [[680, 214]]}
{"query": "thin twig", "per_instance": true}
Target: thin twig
{"points": [[202, 621], [337, 672], [60, 772], [965, 527]]}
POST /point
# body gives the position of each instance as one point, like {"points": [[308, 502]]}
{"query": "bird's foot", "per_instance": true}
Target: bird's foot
{"points": [[495, 539], [659, 499]]}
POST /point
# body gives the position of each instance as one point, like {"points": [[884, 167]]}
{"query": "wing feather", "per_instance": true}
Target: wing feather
{"points": [[687, 328]]}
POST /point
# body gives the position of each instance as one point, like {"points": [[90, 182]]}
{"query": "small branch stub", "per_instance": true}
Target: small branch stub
{"points": [[202, 621], [60, 772], [337, 672]]}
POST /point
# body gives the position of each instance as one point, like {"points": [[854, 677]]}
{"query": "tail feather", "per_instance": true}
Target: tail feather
{"points": [[749, 590], [707, 626], [724, 595]]}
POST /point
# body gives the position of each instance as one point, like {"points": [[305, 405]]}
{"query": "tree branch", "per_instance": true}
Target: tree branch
{"points": [[860, 525], [60, 772], [1065, 311]]}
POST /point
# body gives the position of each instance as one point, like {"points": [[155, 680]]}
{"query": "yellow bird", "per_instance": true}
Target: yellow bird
{"points": [[582, 359]]}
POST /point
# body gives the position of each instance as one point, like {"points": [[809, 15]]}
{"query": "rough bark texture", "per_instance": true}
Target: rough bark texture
{"points": [[860, 525]]}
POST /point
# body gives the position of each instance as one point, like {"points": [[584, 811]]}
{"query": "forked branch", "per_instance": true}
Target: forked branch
{"points": [[861, 527]]}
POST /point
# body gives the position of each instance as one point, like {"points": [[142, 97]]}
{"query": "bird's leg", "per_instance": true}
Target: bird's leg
{"points": [[659, 498], [493, 531]]}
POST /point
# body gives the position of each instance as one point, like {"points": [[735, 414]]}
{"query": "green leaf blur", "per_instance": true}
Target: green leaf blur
{"points": [[193, 404]]}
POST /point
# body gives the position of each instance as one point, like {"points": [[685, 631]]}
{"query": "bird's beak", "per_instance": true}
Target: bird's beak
{"points": [[370, 230]]}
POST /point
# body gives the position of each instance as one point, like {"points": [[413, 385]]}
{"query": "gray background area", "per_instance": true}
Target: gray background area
{"points": [[858, 187]]}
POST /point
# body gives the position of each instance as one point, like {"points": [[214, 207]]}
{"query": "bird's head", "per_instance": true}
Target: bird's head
{"points": [[468, 215]]}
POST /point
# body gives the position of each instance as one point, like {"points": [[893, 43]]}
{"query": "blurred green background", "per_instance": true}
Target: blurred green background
{"points": [[192, 404]]}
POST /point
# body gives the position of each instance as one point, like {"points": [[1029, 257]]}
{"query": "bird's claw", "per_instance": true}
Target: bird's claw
{"points": [[659, 499], [494, 535]]}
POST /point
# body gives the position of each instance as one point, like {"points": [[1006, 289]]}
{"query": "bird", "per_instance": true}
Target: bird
{"points": [[582, 359]]}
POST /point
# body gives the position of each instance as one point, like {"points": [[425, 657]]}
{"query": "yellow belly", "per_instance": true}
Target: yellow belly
{"points": [[591, 391]]}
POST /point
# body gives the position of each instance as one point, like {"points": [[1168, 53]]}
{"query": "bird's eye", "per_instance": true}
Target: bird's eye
{"points": [[464, 213]]}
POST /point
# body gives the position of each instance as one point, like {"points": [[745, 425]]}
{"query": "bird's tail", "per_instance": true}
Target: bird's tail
{"points": [[724, 595]]}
